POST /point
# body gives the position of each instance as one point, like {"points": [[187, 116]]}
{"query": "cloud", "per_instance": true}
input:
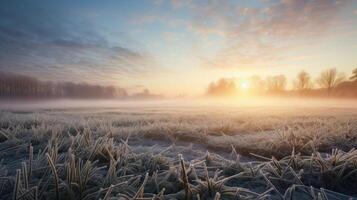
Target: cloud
{"points": [[284, 18], [258, 35], [51, 42], [299, 17]]}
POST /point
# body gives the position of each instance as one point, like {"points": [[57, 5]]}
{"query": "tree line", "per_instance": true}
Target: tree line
{"points": [[20, 86], [330, 82]]}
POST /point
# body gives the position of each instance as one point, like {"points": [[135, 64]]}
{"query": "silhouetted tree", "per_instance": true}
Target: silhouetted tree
{"points": [[276, 84], [354, 75], [257, 84], [222, 87], [18, 86], [302, 82], [145, 94], [329, 79]]}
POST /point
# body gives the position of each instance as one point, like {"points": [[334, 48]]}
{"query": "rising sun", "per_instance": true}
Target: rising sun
{"points": [[244, 85]]}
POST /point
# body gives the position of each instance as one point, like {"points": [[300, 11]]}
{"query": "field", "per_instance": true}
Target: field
{"points": [[179, 152]]}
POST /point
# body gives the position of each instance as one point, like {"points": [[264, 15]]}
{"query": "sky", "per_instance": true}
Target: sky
{"points": [[175, 47]]}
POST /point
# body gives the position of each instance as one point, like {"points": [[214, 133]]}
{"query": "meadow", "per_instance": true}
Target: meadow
{"points": [[179, 152]]}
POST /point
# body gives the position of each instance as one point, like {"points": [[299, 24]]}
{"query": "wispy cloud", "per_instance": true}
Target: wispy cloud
{"points": [[260, 34], [284, 18], [49, 43]]}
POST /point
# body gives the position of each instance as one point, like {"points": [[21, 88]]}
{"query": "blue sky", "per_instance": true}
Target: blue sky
{"points": [[175, 47]]}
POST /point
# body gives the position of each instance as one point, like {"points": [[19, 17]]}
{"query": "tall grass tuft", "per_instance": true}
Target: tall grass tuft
{"points": [[55, 175]]}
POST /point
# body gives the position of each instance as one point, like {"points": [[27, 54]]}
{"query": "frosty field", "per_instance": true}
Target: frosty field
{"points": [[179, 152]]}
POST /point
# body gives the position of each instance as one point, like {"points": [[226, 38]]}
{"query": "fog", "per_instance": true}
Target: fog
{"points": [[194, 104]]}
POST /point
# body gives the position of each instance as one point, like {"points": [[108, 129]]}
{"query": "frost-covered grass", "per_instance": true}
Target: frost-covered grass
{"points": [[179, 153]]}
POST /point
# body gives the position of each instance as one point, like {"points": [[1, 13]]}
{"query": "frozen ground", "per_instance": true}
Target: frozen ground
{"points": [[228, 152]]}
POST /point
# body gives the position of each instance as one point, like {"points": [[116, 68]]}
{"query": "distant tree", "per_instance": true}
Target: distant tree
{"points": [[276, 84], [145, 94], [222, 87], [257, 84], [302, 82], [18, 86], [354, 75], [329, 79]]}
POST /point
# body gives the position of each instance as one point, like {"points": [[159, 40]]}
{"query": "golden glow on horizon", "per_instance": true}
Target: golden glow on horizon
{"points": [[245, 85]]}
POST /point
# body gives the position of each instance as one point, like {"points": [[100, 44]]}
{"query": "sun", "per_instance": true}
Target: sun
{"points": [[244, 85]]}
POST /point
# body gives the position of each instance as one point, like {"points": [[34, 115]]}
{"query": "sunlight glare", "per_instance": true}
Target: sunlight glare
{"points": [[244, 85]]}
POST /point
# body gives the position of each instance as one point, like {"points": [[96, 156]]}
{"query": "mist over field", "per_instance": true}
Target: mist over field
{"points": [[269, 104]]}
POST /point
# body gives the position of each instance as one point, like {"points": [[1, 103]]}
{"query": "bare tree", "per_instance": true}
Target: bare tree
{"points": [[18, 86], [302, 82], [276, 84], [354, 75], [222, 87], [329, 79], [257, 84]]}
